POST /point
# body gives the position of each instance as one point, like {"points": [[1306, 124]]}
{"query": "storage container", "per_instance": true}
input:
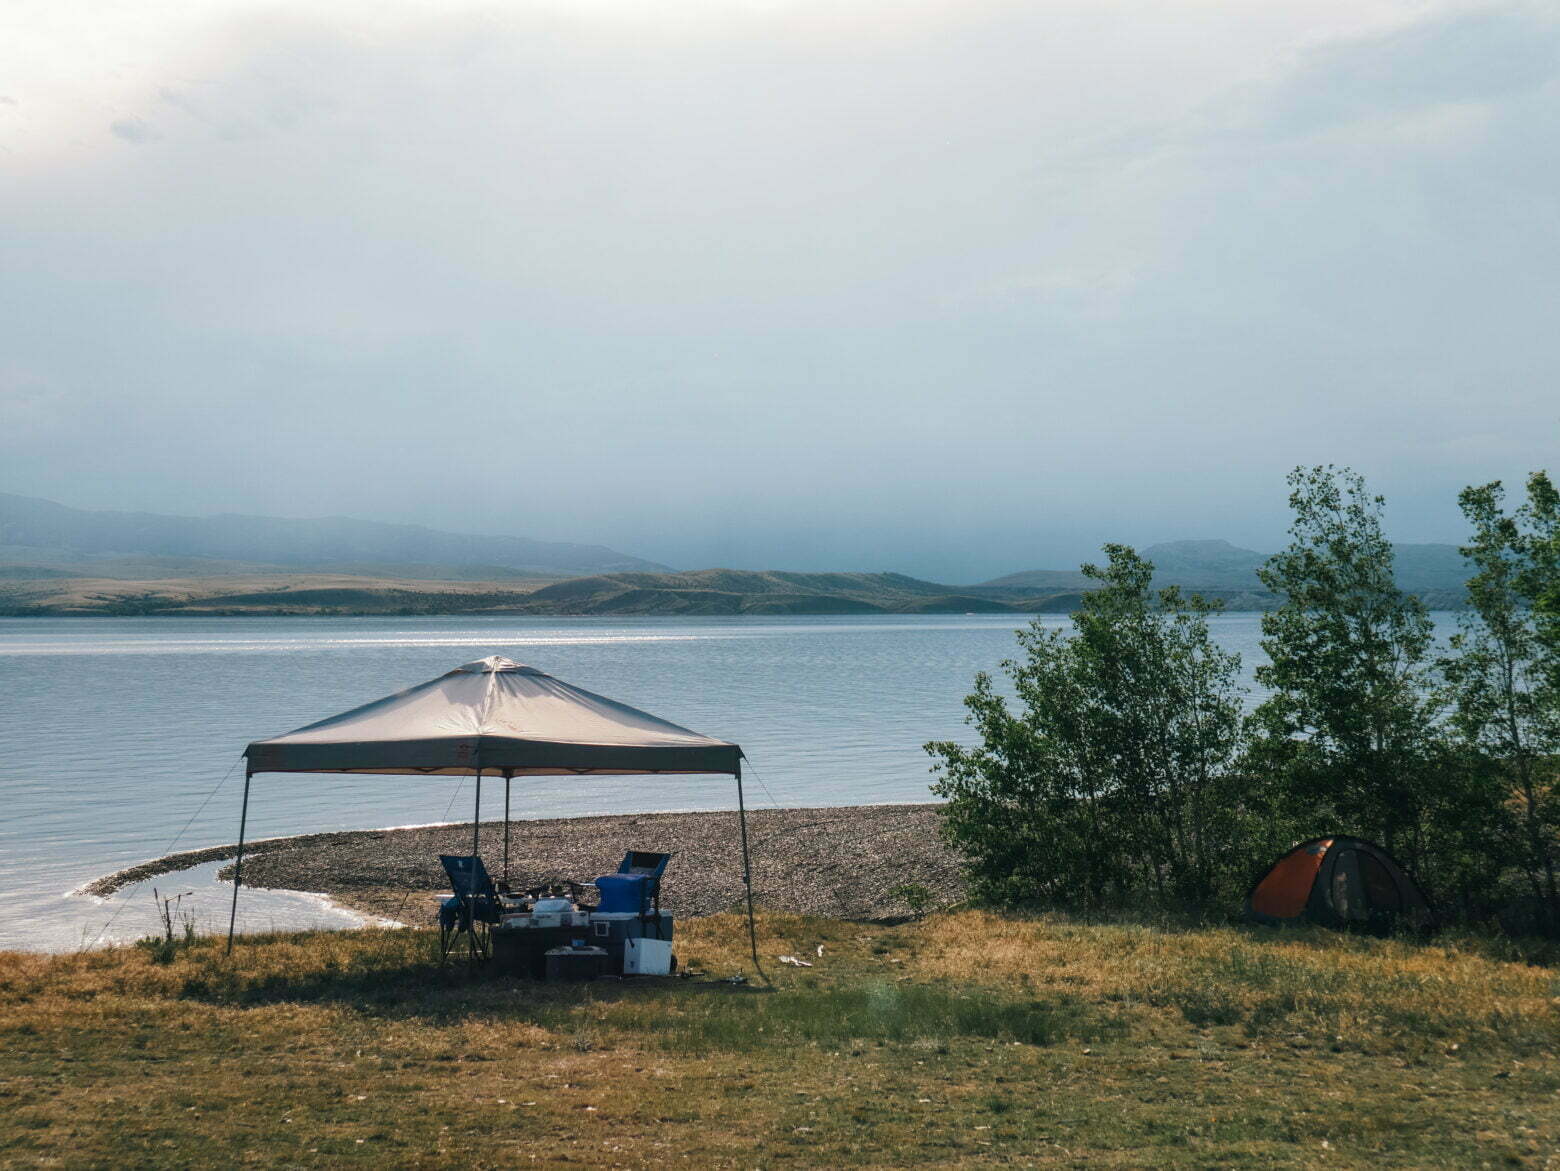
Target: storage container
{"points": [[520, 947], [647, 957], [575, 963], [611, 930]]}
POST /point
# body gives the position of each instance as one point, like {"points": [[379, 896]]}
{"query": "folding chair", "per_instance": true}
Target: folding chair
{"points": [[474, 909]]}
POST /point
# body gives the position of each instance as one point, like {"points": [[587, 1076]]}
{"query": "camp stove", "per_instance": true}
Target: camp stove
{"points": [[548, 906]]}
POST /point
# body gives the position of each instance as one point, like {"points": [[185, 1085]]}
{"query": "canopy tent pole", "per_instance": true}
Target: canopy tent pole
{"points": [[238, 867], [476, 814], [747, 873], [508, 776], [476, 825]]}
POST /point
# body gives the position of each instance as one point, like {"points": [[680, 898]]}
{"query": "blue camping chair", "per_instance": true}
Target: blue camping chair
{"points": [[474, 908]]}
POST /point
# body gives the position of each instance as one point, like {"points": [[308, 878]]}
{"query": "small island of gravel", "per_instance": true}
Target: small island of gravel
{"points": [[849, 862]]}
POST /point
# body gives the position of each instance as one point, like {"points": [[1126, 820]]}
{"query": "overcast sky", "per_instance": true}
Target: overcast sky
{"points": [[955, 288]]}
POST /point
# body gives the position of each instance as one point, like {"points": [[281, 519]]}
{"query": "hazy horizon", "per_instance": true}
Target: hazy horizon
{"points": [[964, 577], [955, 289]]}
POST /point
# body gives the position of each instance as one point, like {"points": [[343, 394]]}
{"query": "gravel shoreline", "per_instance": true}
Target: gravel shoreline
{"points": [[842, 862]]}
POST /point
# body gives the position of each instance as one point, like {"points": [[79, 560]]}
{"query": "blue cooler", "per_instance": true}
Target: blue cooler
{"points": [[623, 894], [636, 887]]}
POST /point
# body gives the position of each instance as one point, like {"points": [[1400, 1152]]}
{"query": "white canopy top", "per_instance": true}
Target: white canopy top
{"points": [[501, 717]]}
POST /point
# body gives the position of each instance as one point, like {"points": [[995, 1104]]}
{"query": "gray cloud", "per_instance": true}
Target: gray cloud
{"points": [[1461, 57], [958, 293], [133, 130]]}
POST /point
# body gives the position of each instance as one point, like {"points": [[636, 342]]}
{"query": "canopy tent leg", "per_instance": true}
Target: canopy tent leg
{"points": [[476, 824], [747, 876], [238, 867], [508, 776], [476, 815]]}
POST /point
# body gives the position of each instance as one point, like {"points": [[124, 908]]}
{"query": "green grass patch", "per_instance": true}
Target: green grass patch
{"points": [[836, 1015]]}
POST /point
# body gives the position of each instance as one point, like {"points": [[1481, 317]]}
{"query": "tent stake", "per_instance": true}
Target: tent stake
{"points": [[238, 867], [747, 876]]}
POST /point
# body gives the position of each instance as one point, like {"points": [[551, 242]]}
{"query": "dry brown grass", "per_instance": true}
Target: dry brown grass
{"points": [[1357, 992], [968, 1040]]}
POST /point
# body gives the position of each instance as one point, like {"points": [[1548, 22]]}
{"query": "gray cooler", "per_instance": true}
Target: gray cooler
{"points": [[612, 929]]}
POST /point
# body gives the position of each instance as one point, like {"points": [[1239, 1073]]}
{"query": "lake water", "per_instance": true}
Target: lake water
{"points": [[114, 732]]}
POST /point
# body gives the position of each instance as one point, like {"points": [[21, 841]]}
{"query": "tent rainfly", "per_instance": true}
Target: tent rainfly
{"points": [[498, 717], [1340, 882]]}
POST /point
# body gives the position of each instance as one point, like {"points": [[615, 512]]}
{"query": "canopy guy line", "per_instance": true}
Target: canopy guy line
{"points": [[168, 849], [773, 803], [459, 785]]}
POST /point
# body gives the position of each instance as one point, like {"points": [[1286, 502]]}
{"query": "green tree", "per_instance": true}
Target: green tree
{"points": [[1349, 730], [1504, 676], [1112, 778], [1541, 586]]}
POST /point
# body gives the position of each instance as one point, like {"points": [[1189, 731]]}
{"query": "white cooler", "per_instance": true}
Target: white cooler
{"points": [[647, 957]]}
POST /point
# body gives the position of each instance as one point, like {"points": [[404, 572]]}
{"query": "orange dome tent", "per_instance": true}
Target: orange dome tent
{"points": [[1339, 882]]}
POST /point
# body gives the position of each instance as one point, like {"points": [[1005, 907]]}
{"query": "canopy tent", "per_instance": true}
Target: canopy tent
{"points": [[500, 717]]}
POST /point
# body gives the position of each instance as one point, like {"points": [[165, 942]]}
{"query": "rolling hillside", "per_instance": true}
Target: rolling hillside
{"points": [[731, 591], [703, 592], [59, 560]]}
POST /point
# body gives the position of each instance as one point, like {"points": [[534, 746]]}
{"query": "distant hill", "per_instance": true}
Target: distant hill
{"points": [[709, 591], [259, 594], [43, 535], [734, 591], [1219, 565], [59, 560], [701, 592]]}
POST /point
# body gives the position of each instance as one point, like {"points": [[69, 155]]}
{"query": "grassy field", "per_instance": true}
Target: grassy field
{"points": [[968, 1039]]}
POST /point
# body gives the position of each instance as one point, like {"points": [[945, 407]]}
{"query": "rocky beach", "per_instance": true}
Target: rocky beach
{"points": [[851, 862]]}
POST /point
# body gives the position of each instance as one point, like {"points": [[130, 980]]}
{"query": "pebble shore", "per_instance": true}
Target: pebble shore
{"points": [[845, 862]]}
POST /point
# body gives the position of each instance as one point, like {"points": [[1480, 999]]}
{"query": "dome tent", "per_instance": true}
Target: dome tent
{"points": [[1340, 882]]}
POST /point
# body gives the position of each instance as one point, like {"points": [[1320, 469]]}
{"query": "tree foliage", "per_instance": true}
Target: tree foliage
{"points": [[1112, 775], [1541, 583], [1349, 722], [1115, 763], [1503, 676]]}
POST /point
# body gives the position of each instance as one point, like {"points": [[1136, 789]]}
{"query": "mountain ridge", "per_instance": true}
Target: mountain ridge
{"points": [[714, 592], [1213, 564], [47, 534], [58, 560]]}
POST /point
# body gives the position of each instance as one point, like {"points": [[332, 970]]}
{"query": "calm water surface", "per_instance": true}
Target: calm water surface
{"points": [[114, 731]]}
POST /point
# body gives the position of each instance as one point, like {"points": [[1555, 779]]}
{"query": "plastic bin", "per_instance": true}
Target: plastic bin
{"points": [[522, 951], [571, 964]]}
